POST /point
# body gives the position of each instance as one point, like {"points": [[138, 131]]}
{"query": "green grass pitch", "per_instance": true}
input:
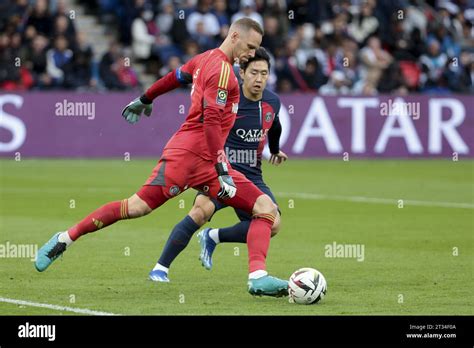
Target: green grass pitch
{"points": [[418, 259]]}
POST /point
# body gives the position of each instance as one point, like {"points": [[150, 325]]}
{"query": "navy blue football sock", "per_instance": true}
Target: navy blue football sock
{"points": [[177, 241], [235, 234]]}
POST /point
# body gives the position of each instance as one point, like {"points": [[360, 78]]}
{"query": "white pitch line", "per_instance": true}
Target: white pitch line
{"points": [[361, 199], [54, 307]]}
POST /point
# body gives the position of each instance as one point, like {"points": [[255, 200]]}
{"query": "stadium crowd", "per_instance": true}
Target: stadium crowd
{"points": [[329, 47]]}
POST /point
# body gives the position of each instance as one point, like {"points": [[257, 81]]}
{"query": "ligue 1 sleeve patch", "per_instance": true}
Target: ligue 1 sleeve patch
{"points": [[221, 97]]}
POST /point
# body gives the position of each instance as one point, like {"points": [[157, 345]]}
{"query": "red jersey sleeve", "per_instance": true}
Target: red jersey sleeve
{"points": [[190, 66], [216, 87], [215, 99], [180, 76]]}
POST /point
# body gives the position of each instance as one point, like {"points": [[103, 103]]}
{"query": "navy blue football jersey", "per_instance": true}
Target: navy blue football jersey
{"points": [[246, 139]]}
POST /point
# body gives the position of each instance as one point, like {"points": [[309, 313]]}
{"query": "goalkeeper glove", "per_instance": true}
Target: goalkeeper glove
{"points": [[134, 109], [228, 188]]}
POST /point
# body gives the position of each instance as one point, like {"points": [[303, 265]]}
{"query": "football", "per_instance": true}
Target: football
{"points": [[307, 286]]}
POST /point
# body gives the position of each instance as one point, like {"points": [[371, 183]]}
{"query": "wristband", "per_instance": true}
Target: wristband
{"points": [[221, 168], [145, 100]]}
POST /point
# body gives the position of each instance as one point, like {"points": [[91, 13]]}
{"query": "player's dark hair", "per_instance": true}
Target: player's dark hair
{"points": [[260, 54]]}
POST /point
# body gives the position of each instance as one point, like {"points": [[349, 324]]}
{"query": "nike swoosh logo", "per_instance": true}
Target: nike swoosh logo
{"points": [[239, 117]]}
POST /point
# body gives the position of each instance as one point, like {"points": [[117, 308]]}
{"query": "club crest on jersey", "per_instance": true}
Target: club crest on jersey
{"points": [[268, 117], [174, 190], [221, 97]]}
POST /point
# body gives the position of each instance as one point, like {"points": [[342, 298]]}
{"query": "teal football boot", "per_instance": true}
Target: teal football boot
{"points": [[268, 286], [49, 252]]}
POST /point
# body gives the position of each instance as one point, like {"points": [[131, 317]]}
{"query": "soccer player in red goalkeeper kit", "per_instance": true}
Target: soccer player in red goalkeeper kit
{"points": [[194, 157]]}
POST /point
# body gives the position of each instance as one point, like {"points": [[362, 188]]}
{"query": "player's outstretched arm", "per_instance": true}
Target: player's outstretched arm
{"points": [[132, 112], [170, 81], [277, 159], [277, 156]]}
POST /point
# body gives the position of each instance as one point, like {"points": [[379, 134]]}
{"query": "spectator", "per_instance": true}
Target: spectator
{"points": [[210, 25], [108, 67], [313, 74], [9, 73], [392, 81], [433, 64], [126, 75], [337, 28], [171, 32], [28, 35], [165, 19], [61, 9], [191, 49], [127, 11], [349, 62], [78, 72], [285, 86], [220, 11], [63, 27], [205, 41], [447, 12], [414, 18], [272, 37], [247, 9], [466, 77], [447, 45], [467, 39], [142, 39], [337, 85], [307, 11], [56, 58], [36, 61], [333, 56], [286, 66], [40, 18], [374, 61], [83, 46], [174, 62], [18, 8], [364, 23]]}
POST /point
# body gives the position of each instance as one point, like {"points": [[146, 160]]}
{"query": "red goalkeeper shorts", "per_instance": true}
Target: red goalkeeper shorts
{"points": [[178, 169]]}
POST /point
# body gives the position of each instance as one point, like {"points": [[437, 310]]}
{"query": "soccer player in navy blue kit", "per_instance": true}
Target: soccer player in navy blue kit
{"points": [[257, 119]]}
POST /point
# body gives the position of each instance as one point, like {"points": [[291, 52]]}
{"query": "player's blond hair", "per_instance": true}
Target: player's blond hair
{"points": [[246, 24]]}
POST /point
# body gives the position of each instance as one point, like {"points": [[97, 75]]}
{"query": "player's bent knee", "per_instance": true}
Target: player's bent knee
{"points": [[276, 225], [202, 210], [264, 205], [198, 216], [137, 207]]}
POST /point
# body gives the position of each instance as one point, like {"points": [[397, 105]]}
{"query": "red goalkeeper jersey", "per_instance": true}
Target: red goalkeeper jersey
{"points": [[214, 103]]}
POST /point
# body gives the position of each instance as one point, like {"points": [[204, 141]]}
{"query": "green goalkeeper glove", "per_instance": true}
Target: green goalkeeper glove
{"points": [[228, 188], [134, 109]]}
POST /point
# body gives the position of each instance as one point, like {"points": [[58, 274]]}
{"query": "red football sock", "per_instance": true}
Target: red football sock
{"points": [[102, 217], [258, 241]]}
